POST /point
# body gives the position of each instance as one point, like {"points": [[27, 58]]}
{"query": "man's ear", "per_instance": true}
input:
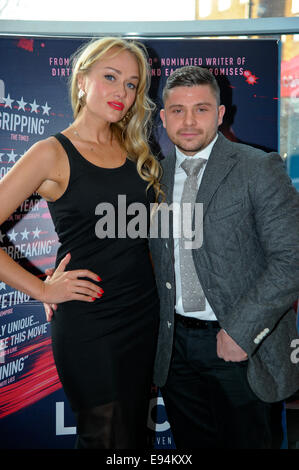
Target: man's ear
{"points": [[163, 117], [221, 111]]}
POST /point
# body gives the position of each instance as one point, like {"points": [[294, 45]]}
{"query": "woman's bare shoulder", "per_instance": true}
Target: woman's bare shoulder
{"points": [[49, 149]]}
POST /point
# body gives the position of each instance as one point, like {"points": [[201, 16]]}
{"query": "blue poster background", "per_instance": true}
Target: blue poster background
{"points": [[34, 104]]}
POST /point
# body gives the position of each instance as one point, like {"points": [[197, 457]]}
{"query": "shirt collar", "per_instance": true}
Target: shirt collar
{"points": [[204, 153]]}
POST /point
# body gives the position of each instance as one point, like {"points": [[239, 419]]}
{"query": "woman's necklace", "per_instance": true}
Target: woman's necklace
{"points": [[75, 132]]}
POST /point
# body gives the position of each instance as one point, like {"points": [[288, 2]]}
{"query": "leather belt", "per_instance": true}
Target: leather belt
{"points": [[195, 323]]}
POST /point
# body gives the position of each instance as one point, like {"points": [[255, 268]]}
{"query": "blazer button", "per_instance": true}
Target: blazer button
{"points": [[168, 285]]}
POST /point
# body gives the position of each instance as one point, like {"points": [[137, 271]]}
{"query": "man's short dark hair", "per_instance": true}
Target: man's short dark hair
{"points": [[191, 76]]}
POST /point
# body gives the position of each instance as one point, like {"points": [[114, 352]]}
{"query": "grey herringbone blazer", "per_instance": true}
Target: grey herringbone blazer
{"points": [[248, 264]]}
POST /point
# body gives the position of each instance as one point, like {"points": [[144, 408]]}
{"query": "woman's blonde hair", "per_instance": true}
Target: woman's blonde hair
{"points": [[133, 131]]}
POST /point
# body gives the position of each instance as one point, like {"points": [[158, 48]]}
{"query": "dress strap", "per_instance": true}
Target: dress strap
{"points": [[65, 142]]}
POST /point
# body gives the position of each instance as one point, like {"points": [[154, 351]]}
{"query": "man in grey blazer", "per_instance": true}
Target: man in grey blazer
{"points": [[226, 350]]}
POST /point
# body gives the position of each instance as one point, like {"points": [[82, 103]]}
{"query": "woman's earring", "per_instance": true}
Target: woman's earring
{"points": [[81, 93], [127, 117]]}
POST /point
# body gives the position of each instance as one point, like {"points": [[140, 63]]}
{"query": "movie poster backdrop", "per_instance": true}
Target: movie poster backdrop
{"points": [[34, 104]]}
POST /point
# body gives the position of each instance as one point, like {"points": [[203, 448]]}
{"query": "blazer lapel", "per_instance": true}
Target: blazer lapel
{"points": [[167, 180], [168, 166], [220, 163]]}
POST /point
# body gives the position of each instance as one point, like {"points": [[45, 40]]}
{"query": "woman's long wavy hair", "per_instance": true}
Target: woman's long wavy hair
{"points": [[133, 131]]}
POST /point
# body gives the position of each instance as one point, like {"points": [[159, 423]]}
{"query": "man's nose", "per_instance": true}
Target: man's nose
{"points": [[189, 118]]}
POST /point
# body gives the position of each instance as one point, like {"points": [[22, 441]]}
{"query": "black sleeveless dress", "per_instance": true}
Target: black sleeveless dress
{"points": [[104, 351]]}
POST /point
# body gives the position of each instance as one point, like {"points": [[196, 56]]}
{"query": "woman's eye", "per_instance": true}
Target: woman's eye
{"points": [[110, 77], [132, 86]]}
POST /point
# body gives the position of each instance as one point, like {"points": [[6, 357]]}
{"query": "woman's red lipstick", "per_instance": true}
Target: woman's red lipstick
{"points": [[116, 105]]}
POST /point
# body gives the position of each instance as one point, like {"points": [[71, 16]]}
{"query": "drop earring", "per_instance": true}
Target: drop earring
{"points": [[81, 93], [127, 117]]}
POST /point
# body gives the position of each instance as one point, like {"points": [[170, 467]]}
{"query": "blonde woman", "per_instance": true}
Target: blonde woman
{"points": [[105, 326]]}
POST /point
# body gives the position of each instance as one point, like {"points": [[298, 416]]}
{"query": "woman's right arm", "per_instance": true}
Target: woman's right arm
{"points": [[38, 166]]}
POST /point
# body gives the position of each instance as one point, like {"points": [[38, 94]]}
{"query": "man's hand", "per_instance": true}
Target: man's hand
{"points": [[228, 349]]}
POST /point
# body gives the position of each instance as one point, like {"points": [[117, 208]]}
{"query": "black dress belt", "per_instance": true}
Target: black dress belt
{"points": [[195, 323]]}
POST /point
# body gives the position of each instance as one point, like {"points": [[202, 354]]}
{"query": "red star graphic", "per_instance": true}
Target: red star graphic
{"points": [[251, 79]]}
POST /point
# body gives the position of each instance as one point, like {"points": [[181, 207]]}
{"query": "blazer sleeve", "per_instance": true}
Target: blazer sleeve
{"points": [[276, 212]]}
